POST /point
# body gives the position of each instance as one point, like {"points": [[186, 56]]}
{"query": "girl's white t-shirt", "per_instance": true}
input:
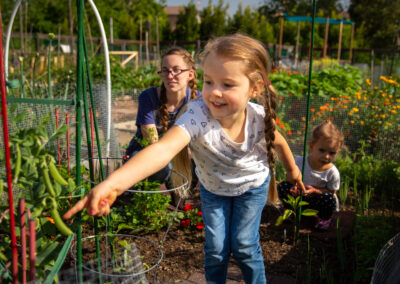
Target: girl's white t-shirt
{"points": [[329, 179], [223, 166]]}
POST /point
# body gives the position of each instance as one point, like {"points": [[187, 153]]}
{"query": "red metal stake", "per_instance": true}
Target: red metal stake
{"points": [[32, 250], [58, 139], [23, 237], [8, 164]]}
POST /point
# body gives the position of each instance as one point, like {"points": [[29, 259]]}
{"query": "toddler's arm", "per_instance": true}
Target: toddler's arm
{"points": [[148, 161], [284, 153], [311, 189]]}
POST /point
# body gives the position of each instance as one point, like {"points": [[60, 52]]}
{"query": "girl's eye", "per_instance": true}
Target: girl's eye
{"points": [[228, 85], [333, 153], [207, 82]]}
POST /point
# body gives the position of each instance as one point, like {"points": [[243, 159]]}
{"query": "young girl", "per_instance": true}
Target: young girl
{"points": [[321, 177], [232, 142]]}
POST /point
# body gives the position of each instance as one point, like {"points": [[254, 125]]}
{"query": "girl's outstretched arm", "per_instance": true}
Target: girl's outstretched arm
{"points": [[148, 161], [284, 153]]}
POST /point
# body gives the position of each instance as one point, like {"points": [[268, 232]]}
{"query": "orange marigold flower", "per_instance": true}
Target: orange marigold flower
{"points": [[352, 121], [362, 122], [312, 109], [383, 115], [303, 118], [290, 132], [51, 220], [355, 109]]}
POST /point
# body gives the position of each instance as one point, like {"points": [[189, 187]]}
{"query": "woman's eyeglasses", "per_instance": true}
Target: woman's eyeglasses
{"points": [[174, 71]]}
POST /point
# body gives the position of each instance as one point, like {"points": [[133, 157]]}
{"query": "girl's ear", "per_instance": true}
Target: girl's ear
{"points": [[257, 89]]}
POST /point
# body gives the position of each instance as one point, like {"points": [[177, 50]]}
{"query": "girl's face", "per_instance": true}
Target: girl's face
{"points": [[226, 88], [323, 152], [175, 73]]}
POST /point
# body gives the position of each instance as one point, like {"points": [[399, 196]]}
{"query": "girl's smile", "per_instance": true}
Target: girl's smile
{"points": [[226, 89]]}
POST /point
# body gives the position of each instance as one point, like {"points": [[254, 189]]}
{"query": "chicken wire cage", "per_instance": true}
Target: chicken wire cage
{"points": [[121, 258], [387, 265]]}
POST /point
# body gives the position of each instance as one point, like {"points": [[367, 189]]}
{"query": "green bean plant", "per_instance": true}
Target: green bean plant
{"points": [[40, 182]]}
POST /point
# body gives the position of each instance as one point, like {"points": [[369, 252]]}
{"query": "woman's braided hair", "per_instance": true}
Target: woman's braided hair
{"points": [[187, 58], [256, 66]]}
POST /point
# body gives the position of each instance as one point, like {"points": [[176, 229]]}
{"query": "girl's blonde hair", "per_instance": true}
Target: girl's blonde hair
{"points": [[257, 64], [329, 131], [188, 59]]}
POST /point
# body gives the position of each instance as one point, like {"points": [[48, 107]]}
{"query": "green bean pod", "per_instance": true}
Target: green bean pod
{"points": [[58, 221], [55, 174], [47, 182], [17, 163]]}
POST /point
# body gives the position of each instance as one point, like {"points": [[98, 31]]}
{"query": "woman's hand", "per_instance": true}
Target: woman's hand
{"points": [[97, 201]]}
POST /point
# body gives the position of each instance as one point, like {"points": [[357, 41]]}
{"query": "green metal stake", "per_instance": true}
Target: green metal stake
{"points": [[93, 109], [79, 76], [91, 170], [307, 109]]}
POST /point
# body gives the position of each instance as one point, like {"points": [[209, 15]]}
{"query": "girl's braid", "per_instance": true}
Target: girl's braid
{"points": [[269, 131], [163, 108]]}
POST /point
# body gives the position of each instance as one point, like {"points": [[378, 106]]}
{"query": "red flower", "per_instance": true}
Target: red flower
{"points": [[200, 226], [200, 213], [185, 223], [187, 207]]}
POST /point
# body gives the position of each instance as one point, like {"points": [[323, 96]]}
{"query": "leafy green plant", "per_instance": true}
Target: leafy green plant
{"points": [[143, 211], [295, 204], [343, 190]]}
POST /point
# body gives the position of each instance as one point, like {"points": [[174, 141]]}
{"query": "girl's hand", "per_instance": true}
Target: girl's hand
{"points": [[295, 178], [310, 190], [97, 201], [295, 191]]}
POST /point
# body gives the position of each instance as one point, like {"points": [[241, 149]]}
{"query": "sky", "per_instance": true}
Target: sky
{"points": [[233, 4]]}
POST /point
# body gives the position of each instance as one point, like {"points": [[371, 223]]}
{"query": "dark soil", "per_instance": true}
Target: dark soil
{"points": [[315, 254]]}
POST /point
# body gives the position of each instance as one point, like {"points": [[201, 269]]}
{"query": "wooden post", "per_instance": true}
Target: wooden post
{"points": [[111, 30], [157, 39], [21, 29], [280, 38], [351, 43], [58, 41], [340, 40], [147, 48], [26, 25], [71, 27], [296, 51], [326, 37], [140, 40], [372, 68]]}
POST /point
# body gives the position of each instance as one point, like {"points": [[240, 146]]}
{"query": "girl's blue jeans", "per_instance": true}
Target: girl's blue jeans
{"points": [[232, 226]]}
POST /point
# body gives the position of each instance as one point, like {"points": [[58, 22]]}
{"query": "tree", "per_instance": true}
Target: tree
{"points": [[379, 20], [187, 26], [251, 23], [213, 20]]}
